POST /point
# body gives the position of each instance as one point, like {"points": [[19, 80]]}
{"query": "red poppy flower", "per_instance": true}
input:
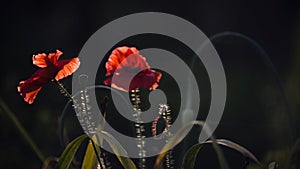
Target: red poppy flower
{"points": [[51, 69], [123, 69]]}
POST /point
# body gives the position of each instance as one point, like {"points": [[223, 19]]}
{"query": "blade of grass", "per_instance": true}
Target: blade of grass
{"points": [[90, 159], [246, 153], [5, 109], [177, 138], [190, 156], [117, 148], [68, 154], [221, 158]]}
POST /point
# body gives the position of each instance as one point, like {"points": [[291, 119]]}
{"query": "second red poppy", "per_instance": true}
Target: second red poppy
{"points": [[122, 66]]}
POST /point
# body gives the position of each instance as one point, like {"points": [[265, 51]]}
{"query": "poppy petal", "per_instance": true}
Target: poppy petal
{"points": [[68, 69], [123, 57], [34, 82], [114, 60], [146, 79], [117, 85], [53, 57], [40, 60], [50, 68], [30, 96], [123, 63], [157, 77]]}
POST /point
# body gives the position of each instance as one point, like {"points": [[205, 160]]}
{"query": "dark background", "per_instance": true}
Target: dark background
{"points": [[254, 117]]}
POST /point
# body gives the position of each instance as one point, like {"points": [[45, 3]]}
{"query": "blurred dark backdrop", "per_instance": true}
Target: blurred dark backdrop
{"points": [[255, 115]]}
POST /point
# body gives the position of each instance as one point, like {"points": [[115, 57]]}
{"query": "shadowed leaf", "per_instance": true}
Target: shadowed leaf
{"points": [[190, 156], [177, 138], [117, 148], [237, 147]]}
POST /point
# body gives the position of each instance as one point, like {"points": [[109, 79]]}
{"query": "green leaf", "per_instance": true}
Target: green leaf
{"points": [[237, 147], [117, 148], [221, 158], [189, 158], [177, 138], [191, 154], [90, 159], [69, 152]]}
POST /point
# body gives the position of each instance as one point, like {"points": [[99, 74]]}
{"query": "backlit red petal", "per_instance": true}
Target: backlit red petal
{"points": [[30, 97], [125, 57], [31, 84], [157, 78], [69, 67], [53, 57], [123, 63], [40, 60], [51, 69], [28, 89]]}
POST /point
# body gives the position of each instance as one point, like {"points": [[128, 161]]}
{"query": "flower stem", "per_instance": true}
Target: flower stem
{"points": [[135, 98], [85, 114], [165, 113], [64, 90]]}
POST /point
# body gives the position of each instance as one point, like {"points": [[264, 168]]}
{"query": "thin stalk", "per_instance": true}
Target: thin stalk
{"points": [[64, 90], [96, 152], [84, 108], [140, 129]]}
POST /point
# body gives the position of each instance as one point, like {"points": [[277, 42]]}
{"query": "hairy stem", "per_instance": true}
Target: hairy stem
{"points": [[135, 98]]}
